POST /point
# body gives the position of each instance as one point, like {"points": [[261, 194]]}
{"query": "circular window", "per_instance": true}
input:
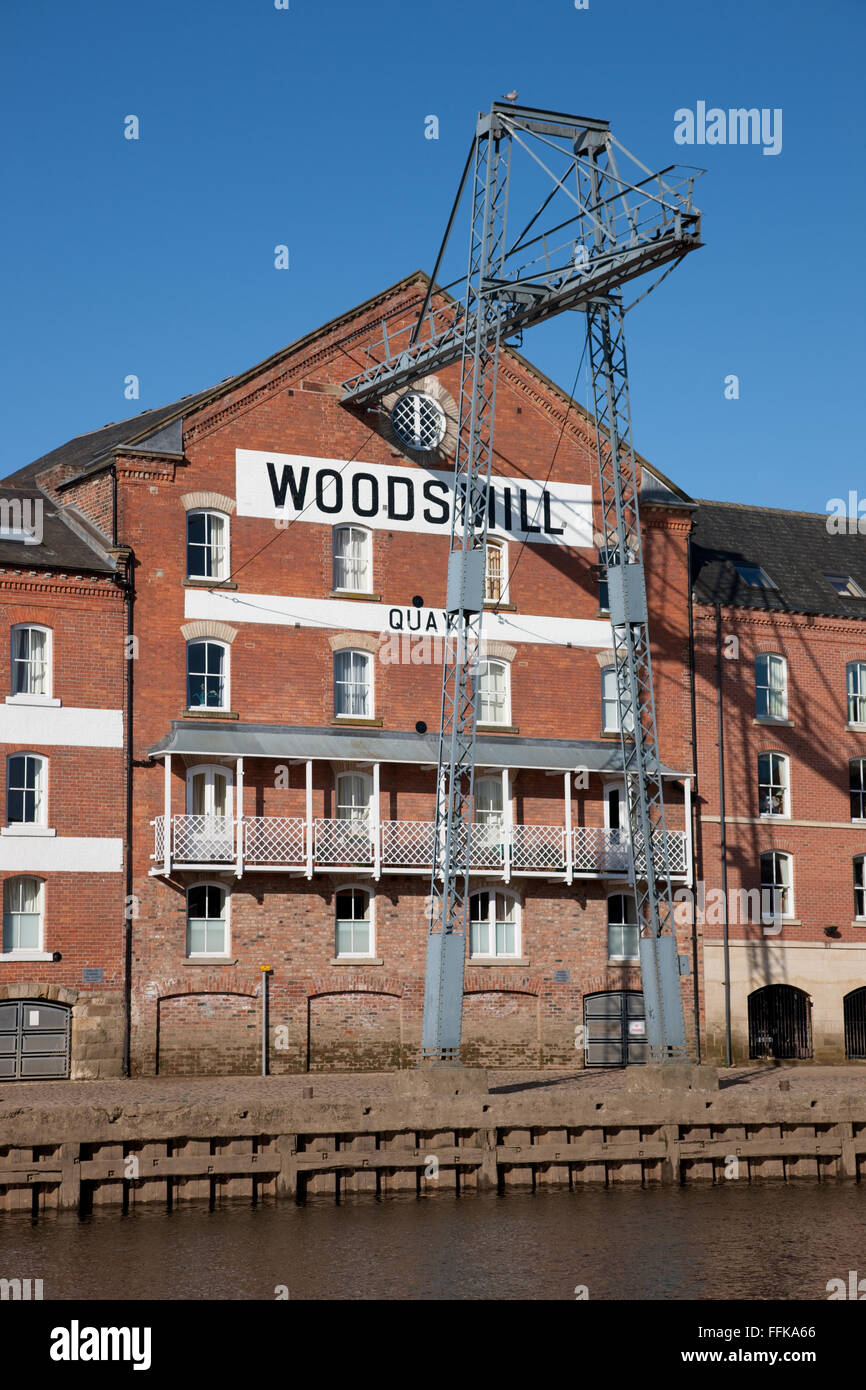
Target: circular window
{"points": [[419, 421]]}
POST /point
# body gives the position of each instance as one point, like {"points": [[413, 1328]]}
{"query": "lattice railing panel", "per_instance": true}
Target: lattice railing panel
{"points": [[599, 850], [274, 840], [538, 847], [203, 839], [158, 838], [342, 841], [408, 843]]}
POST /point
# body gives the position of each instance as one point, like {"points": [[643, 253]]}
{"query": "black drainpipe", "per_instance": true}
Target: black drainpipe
{"points": [[695, 817], [723, 842]]}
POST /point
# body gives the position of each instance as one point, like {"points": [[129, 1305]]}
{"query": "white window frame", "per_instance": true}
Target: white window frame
{"points": [[28, 827], [371, 919], [208, 545], [510, 896], [619, 788], [862, 789], [347, 527], [370, 683], [484, 667], [789, 887], [857, 668], [860, 860], [211, 955], [209, 770], [24, 697], [486, 816], [363, 816], [626, 898], [785, 785], [226, 649], [770, 657], [608, 676], [494, 542], [37, 952]]}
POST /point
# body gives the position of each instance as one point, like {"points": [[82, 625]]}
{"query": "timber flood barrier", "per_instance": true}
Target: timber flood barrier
{"points": [[84, 1157]]}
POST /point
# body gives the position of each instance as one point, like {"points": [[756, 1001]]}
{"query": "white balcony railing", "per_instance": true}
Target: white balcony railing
{"points": [[284, 842]]}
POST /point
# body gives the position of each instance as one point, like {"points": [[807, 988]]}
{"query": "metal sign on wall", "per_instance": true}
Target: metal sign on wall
{"points": [[397, 498]]}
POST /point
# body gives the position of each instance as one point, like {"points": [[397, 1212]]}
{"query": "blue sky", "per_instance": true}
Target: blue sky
{"points": [[305, 126]]}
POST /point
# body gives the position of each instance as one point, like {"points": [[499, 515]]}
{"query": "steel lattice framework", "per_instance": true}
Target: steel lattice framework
{"points": [[619, 227]]}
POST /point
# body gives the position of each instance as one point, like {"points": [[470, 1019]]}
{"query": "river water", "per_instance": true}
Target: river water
{"points": [[732, 1241]]}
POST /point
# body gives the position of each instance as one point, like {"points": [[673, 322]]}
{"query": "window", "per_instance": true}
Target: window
{"points": [[773, 785], [856, 680], [610, 705], [206, 675], [777, 897], [771, 686], [488, 801], [354, 793], [494, 925], [25, 789], [495, 572], [859, 888], [353, 684], [622, 928], [844, 585], [493, 693], [207, 545], [31, 664], [353, 570], [754, 576], [208, 791], [22, 914], [605, 558], [419, 421], [354, 924], [206, 920], [857, 785]]}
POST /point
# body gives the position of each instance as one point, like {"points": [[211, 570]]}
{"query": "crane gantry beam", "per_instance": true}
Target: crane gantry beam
{"points": [[618, 227]]}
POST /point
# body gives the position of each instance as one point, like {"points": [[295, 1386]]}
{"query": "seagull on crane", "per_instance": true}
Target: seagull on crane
{"points": [[510, 96]]}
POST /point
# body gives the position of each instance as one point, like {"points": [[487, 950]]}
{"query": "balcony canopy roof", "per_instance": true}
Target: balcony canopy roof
{"points": [[286, 743]]}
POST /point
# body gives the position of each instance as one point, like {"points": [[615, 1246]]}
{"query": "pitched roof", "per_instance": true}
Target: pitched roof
{"points": [[795, 549], [67, 542]]}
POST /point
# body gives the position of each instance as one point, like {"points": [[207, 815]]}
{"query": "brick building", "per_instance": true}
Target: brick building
{"points": [[780, 613], [62, 678], [288, 559]]}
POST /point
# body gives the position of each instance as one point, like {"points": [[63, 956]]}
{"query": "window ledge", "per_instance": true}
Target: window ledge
{"points": [[209, 714], [25, 828], [503, 960], [782, 922], [36, 955], [855, 728], [356, 960], [355, 595], [209, 960], [623, 960], [191, 581], [859, 922], [780, 723], [771, 816], [500, 607], [360, 723], [46, 701], [498, 728]]}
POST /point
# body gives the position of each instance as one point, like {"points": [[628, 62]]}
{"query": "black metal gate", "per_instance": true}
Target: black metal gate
{"points": [[780, 1023], [854, 1006], [615, 1025], [34, 1040]]}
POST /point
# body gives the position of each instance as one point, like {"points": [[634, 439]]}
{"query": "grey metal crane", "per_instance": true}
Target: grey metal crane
{"points": [[619, 226]]}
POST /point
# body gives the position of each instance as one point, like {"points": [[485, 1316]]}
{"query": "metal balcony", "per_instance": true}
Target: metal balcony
{"points": [[291, 844]]}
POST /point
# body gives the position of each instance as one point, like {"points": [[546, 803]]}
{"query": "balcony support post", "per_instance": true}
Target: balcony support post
{"points": [[166, 863], [507, 822], [376, 825], [239, 816], [308, 830], [569, 842]]}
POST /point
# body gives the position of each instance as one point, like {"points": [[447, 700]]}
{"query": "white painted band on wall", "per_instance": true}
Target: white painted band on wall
{"points": [[340, 614], [77, 854], [67, 725]]}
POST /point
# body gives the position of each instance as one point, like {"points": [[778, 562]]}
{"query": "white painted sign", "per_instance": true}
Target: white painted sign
{"points": [[344, 615], [328, 491], [69, 726]]}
